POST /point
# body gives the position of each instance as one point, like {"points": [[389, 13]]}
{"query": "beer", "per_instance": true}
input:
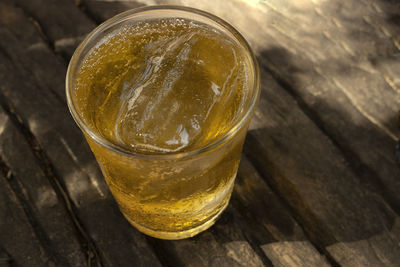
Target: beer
{"points": [[159, 90]]}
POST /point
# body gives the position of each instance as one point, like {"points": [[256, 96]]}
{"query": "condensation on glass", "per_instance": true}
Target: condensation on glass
{"points": [[164, 96]]}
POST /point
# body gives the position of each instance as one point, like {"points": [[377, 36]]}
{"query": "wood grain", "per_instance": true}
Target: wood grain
{"points": [[270, 223], [62, 23], [340, 82], [103, 10], [339, 61], [222, 252], [295, 253], [54, 227], [16, 233], [318, 183], [311, 174], [45, 119]]}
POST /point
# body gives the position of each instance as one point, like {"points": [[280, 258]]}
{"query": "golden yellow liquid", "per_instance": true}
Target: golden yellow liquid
{"points": [[163, 87]]}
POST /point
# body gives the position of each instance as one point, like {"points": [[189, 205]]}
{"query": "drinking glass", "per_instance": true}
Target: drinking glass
{"points": [[170, 195]]}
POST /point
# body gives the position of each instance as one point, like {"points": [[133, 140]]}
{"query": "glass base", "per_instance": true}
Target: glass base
{"points": [[178, 235]]}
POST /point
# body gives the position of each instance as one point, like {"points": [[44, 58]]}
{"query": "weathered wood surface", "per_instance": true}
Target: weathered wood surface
{"points": [[318, 184], [47, 213], [66, 158]]}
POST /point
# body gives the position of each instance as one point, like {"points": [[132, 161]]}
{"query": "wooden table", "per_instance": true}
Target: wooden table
{"points": [[318, 184]]}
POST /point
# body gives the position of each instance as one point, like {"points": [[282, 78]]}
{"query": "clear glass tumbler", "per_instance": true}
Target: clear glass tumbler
{"points": [[170, 195]]}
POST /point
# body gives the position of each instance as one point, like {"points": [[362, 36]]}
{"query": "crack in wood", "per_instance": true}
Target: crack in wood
{"points": [[15, 62], [36, 24], [23, 200], [163, 254], [260, 168], [93, 256], [360, 170], [257, 249], [5, 258], [86, 11], [354, 158], [5, 53], [256, 246], [46, 166], [39, 28]]}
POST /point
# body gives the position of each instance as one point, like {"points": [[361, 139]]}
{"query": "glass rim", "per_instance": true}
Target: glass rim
{"points": [[240, 122]]}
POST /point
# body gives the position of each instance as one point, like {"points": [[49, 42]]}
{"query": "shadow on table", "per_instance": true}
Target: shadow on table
{"points": [[293, 184], [287, 183], [326, 172]]}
